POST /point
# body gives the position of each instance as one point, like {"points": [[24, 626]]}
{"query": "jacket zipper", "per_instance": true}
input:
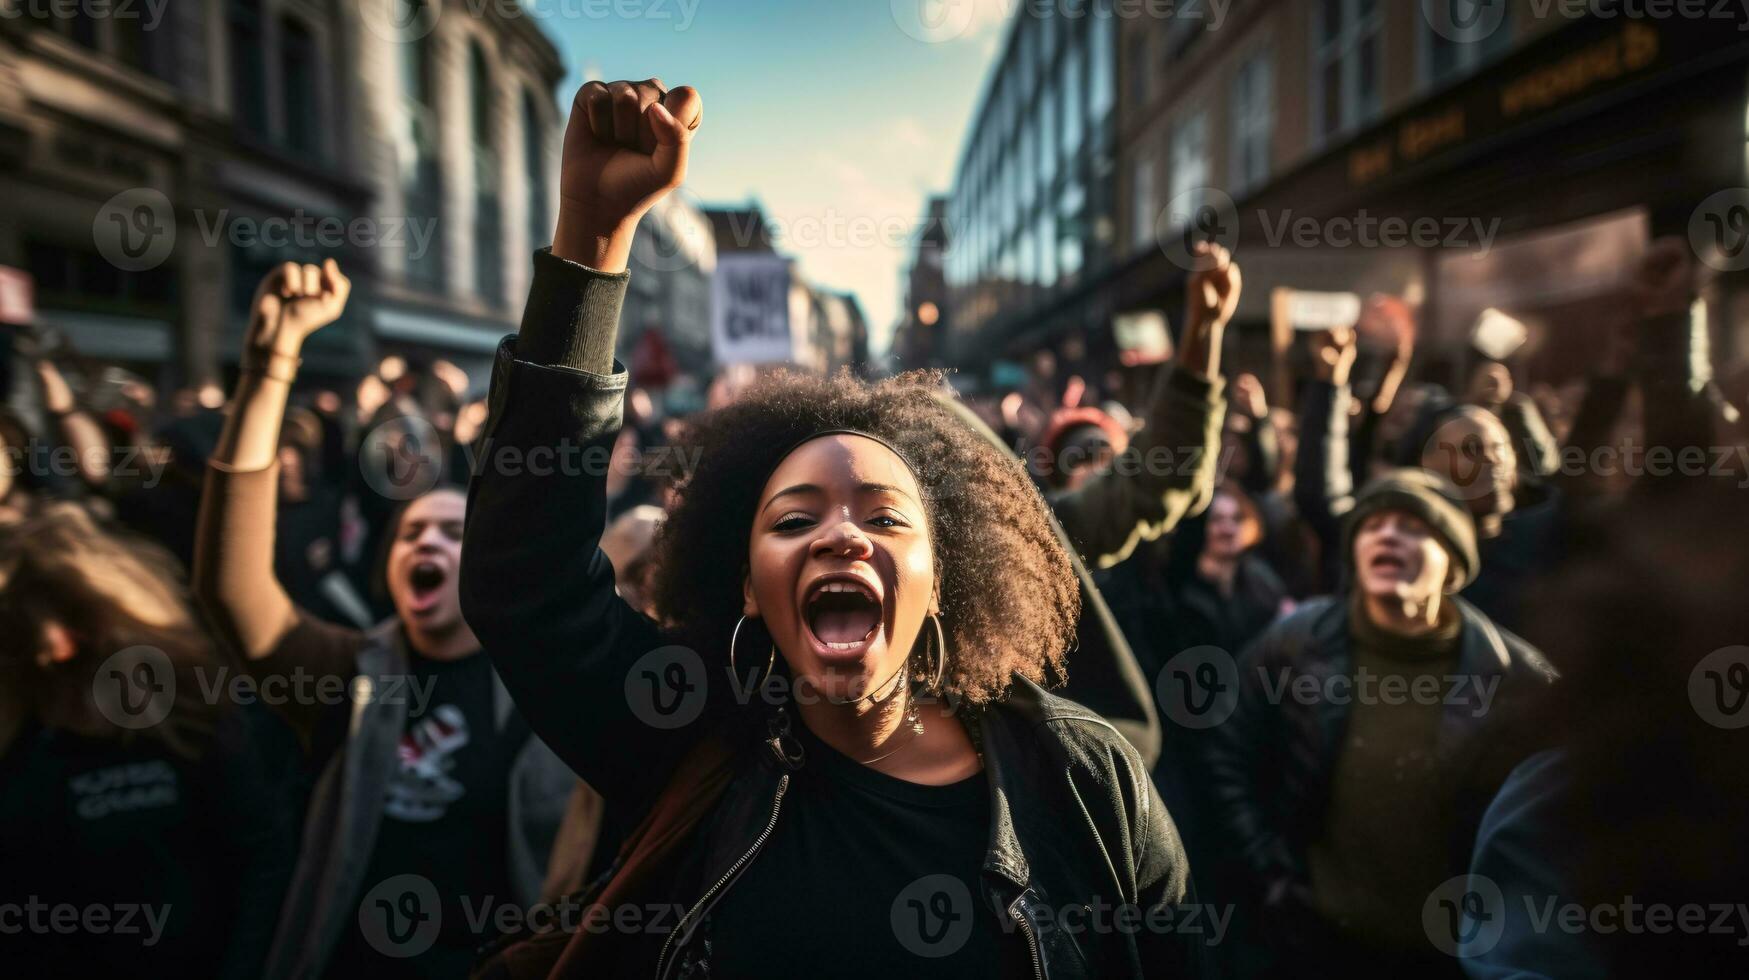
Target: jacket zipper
{"points": [[1038, 967], [758, 842]]}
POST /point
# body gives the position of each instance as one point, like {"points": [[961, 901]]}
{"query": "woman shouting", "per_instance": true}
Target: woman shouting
{"points": [[835, 730]]}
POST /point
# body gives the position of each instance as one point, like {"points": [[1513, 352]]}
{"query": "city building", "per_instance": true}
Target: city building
{"points": [[122, 162], [1032, 210], [156, 168], [674, 258], [844, 334], [917, 341], [453, 125], [826, 330], [1462, 155]]}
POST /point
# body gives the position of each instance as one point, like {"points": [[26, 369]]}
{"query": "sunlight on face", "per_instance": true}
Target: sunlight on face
{"points": [[425, 562], [840, 563]]}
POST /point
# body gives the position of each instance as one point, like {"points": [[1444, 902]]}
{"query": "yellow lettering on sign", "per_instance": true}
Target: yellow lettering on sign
{"points": [[1368, 163], [1633, 49], [1420, 137], [1641, 44]]}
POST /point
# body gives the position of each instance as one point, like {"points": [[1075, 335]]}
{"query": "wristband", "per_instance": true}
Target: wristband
{"points": [[253, 365]]}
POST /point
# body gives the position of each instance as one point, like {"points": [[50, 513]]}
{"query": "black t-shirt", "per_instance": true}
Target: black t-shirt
{"points": [[120, 857], [867, 876], [306, 550], [443, 822]]}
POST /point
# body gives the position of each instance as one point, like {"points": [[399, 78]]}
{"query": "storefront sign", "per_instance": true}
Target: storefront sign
{"points": [[1576, 63]]}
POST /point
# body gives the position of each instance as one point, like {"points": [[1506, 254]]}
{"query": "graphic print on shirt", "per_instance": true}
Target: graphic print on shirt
{"points": [[124, 789], [422, 789]]}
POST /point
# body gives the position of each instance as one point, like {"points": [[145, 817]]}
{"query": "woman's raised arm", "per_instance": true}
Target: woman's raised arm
{"points": [[233, 563], [595, 679]]}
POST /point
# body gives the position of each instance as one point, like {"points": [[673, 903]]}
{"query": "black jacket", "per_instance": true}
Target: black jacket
{"points": [[1075, 819], [1271, 762]]}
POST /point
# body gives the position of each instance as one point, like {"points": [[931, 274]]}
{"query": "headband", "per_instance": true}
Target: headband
{"points": [[821, 434]]}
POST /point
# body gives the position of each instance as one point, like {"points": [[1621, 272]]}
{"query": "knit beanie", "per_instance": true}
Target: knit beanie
{"points": [[1429, 497]]}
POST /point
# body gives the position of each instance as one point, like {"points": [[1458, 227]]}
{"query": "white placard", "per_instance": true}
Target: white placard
{"points": [[750, 309], [1322, 311], [1497, 335], [1142, 336]]}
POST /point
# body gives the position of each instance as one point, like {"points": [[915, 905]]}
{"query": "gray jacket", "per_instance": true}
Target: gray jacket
{"points": [[346, 808]]}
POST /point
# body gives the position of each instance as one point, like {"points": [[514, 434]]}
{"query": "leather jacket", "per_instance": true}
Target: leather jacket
{"points": [[1271, 761], [1062, 782], [1075, 818]]}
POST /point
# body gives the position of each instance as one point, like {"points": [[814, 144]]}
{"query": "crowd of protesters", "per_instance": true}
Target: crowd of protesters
{"points": [[870, 678]]}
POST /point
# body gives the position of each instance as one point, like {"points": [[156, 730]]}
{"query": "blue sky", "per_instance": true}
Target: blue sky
{"points": [[834, 114]]}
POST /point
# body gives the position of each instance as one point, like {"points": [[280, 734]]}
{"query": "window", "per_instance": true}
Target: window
{"points": [[1071, 224], [1345, 60], [1466, 35], [298, 64], [79, 277], [1190, 21], [1008, 119], [1069, 89], [1101, 73], [480, 101], [1047, 143], [421, 174], [415, 64], [1004, 198], [1140, 67], [135, 46], [1047, 247], [248, 82], [534, 151], [1069, 255], [1144, 201], [1253, 123], [114, 30], [488, 242], [75, 22], [1190, 167], [1047, 30]]}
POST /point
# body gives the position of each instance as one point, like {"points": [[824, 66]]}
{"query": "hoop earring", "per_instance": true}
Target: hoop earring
{"points": [[734, 638], [940, 654]]}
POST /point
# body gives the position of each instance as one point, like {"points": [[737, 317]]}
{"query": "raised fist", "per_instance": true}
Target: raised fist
{"points": [[292, 302], [1248, 396], [1213, 290], [625, 148], [1333, 354]]}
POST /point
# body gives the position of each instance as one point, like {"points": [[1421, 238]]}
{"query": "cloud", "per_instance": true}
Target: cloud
{"points": [[908, 131], [989, 16], [953, 21]]}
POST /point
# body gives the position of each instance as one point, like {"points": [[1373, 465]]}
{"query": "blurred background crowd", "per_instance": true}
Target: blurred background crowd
{"points": [[1573, 385]]}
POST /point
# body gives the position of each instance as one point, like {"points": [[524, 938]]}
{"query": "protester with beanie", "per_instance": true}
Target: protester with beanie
{"points": [[1342, 768]]}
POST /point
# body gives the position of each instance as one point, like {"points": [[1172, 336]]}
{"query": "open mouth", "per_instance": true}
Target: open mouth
{"points": [[1390, 564], [424, 580], [843, 614]]}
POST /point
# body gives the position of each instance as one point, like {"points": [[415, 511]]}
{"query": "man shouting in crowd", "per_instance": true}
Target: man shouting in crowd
{"points": [[430, 784], [1347, 770]]}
